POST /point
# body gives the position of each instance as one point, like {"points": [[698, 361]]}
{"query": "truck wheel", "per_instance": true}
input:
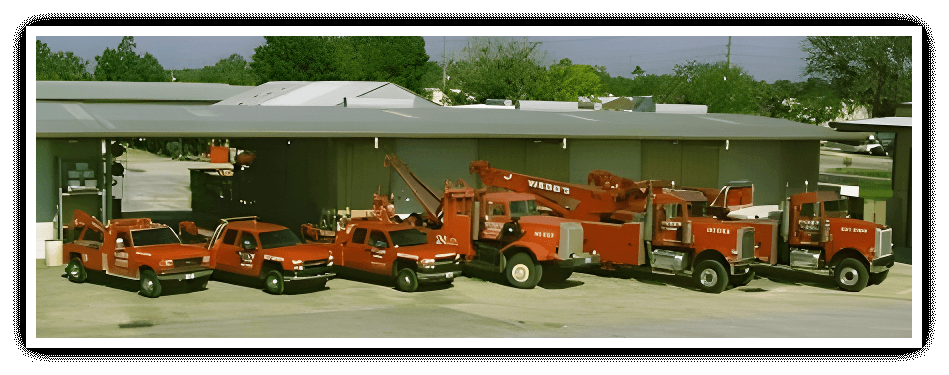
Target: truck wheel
{"points": [[407, 281], [521, 272], [877, 278], [554, 274], [75, 272], [710, 276], [150, 286], [742, 280], [851, 275], [273, 283]]}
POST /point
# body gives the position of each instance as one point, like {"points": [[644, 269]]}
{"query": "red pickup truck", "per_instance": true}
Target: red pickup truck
{"points": [[273, 253], [134, 249], [398, 251]]}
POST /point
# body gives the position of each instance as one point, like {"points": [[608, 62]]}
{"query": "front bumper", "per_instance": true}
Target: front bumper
{"points": [[591, 260], [740, 268], [310, 273], [882, 263], [189, 275], [439, 273]]}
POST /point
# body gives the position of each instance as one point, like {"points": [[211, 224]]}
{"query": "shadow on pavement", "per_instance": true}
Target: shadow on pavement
{"points": [[168, 287]]}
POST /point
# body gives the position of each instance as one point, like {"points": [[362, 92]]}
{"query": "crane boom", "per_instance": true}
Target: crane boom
{"points": [[430, 201]]}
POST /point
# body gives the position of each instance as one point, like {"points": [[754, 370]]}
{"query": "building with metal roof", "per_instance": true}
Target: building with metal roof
{"points": [[135, 92], [314, 154], [329, 93]]}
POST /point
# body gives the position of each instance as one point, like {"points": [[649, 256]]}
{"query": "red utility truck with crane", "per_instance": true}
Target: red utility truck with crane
{"points": [[504, 232], [134, 249], [810, 231], [670, 236]]}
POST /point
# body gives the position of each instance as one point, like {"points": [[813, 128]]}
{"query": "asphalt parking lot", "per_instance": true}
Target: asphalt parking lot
{"points": [[607, 304]]}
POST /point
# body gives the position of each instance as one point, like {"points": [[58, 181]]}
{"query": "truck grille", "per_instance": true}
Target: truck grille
{"points": [[187, 262], [884, 241], [747, 238]]}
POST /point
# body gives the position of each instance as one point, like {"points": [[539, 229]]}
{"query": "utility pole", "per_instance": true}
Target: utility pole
{"points": [[444, 65], [729, 55]]}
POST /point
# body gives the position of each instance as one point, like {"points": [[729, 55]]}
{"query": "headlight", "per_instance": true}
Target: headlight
{"points": [[426, 263]]}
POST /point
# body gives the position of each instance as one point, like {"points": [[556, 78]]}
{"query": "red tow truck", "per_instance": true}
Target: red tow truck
{"points": [[134, 249], [400, 251], [274, 254], [662, 229], [503, 232]]}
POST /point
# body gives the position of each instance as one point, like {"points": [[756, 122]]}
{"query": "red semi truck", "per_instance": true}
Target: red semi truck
{"points": [[809, 231], [812, 232], [662, 222], [134, 249]]}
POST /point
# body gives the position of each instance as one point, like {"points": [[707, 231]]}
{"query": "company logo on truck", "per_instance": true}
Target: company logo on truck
{"points": [[547, 186], [544, 234], [854, 230]]}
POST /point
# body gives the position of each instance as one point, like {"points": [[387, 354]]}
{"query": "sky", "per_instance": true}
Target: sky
{"points": [[767, 58]]}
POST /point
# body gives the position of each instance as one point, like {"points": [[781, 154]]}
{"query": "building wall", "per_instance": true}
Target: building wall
{"points": [[622, 157], [434, 161], [49, 154]]}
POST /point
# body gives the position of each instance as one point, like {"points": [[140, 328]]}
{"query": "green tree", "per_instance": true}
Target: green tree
{"points": [[872, 70], [499, 68], [722, 88], [233, 70], [59, 66], [569, 82], [812, 101], [297, 58], [123, 64], [397, 59]]}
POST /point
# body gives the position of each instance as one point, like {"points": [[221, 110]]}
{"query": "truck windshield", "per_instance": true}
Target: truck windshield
{"points": [[154, 236], [280, 238], [838, 208], [524, 208], [408, 237]]}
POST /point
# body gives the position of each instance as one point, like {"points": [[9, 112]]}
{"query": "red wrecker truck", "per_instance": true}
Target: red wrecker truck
{"points": [[661, 228], [400, 251], [504, 232], [274, 254], [134, 249]]}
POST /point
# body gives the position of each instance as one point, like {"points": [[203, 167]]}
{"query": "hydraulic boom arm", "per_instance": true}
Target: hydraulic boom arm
{"points": [[430, 201]]}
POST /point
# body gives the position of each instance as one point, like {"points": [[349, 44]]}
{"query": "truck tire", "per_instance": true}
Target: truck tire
{"points": [[407, 280], [75, 271], [877, 278], [150, 286], [273, 282], [851, 275], [521, 272], [742, 280], [710, 276]]}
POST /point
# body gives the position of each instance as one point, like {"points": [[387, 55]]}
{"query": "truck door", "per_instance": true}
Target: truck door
{"points": [[356, 252], [379, 246], [121, 260], [669, 221], [226, 252]]}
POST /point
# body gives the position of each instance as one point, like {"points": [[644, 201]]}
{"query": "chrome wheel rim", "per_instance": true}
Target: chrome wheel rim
{"points": [[708, 277], [73, 271], [148, 285], [849, 276], [520, 273]]}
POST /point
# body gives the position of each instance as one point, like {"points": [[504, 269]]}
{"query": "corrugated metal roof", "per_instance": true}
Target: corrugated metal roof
{"points": [[56, 120], [135, 91], [879, 121]]}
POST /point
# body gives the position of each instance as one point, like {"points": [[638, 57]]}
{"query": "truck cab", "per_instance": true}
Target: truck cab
{"points": [[134, 249], [821, 236], [408, 254], [248, 247]]}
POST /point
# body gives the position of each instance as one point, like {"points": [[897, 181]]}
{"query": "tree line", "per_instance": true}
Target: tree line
{"points": [[842, 73]]}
